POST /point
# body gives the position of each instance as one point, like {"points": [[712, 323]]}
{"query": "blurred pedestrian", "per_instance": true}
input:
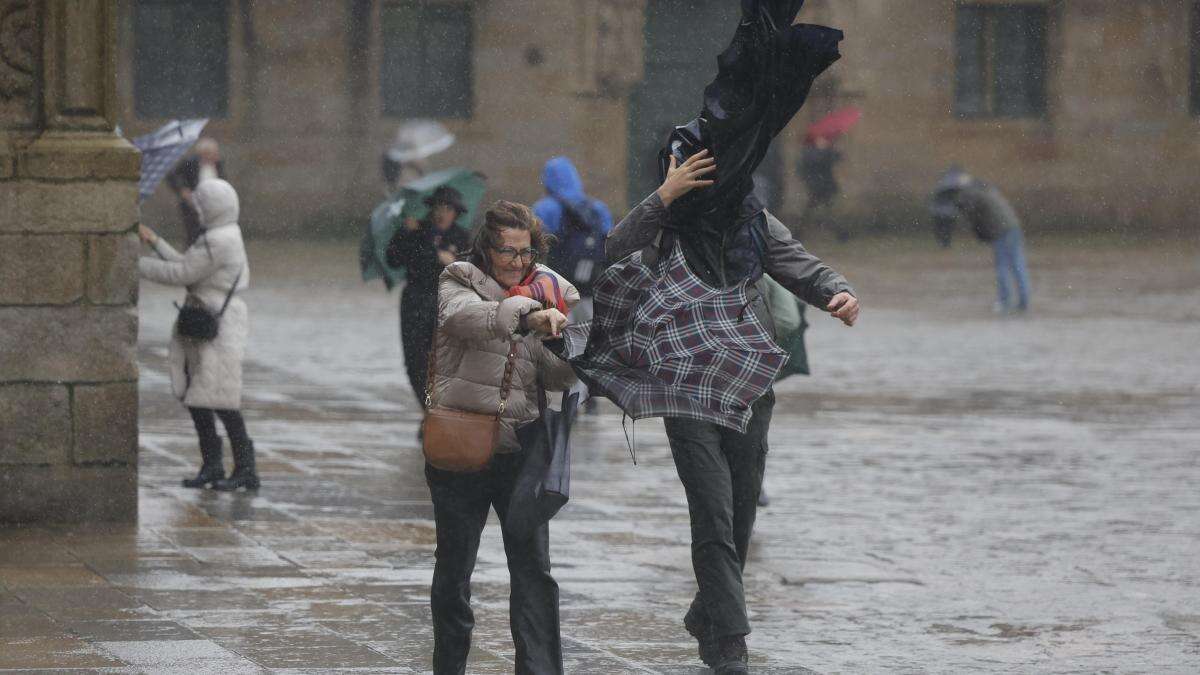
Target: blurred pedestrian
{"points": [[425, 248], [959, 196], [818, 159], [490, 360], [397, 174], [579, 224], [206, 369], [204, 163]]}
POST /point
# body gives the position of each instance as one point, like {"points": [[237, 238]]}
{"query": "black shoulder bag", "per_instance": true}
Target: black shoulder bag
{"points": [[198, 322]]}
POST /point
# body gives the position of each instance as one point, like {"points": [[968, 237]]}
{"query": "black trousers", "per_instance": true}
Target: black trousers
{"points": [[721, 471], [418, 319], [210, 443], [460, 506]]}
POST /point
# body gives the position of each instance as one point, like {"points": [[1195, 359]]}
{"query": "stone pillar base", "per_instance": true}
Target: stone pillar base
{"points": [[68, 270]]}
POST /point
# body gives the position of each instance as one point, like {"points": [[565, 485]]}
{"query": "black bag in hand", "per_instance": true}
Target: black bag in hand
{"points": [[544, 484], [198, 322]]}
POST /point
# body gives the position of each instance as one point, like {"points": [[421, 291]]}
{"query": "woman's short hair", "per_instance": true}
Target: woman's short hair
{"points": [[501, 215]]}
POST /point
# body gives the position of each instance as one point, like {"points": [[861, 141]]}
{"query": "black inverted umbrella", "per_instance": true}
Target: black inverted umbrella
{"points": [[764, 77]]}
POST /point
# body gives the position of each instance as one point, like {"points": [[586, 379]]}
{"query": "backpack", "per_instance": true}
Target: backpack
{"points": [[579, 254]]}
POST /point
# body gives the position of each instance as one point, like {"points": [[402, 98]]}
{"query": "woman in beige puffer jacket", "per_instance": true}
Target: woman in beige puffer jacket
{"points": [[477, 324]]}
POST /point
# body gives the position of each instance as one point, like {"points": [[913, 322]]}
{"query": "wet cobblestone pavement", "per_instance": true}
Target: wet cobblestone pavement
{"points": [[952, 492]]}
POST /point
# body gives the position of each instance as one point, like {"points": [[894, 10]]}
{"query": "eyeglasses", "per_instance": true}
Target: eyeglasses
{"points": [[509, 254]]}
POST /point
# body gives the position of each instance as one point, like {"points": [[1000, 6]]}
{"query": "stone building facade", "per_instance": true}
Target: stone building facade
{"points": [[306, 99], [1085, 111], [1112, 144], [68, 273]]}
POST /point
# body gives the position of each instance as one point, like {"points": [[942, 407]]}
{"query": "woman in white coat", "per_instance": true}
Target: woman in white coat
{"points": [[207, 375]]}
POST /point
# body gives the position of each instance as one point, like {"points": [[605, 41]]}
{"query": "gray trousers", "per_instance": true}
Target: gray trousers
{"points": [[721, 471]]}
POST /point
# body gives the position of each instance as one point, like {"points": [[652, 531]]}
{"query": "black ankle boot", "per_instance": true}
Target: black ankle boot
{"points": [[698, 628], [732, 657], [211, 471], [240, 478], [244, 475]]}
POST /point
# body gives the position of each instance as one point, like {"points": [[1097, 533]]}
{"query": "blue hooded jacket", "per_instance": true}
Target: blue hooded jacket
{"points": [[563, 185]]}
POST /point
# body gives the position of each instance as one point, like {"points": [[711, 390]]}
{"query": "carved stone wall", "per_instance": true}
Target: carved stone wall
{"points": [[68, 272], [18, 61]]}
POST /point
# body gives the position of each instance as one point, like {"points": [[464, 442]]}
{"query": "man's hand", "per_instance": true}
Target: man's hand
{"points": [[147, 235], [845, 307], [445, 258], [683, 179], [412, 224], [547, 323], [185, 194]]}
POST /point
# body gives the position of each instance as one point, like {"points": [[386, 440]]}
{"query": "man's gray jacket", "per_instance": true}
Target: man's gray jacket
{"points": [[981, 205], [712, 255]]}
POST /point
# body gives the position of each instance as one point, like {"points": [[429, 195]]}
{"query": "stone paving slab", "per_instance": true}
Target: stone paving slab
{"points": [[952, 492]]}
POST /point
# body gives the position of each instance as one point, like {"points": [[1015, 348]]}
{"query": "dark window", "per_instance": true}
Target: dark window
{"points": [[1000, 61], [181, 58], [427, 52], [1194, 79]]}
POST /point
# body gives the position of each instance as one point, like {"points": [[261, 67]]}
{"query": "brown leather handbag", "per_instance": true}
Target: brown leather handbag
{"points": [[460, 441]]}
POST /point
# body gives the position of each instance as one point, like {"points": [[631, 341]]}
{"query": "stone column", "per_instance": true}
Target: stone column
{"points": [[68, 269]]}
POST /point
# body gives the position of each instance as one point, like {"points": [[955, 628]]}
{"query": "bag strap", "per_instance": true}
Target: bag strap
{"points": [[229, 295], [505, 383]]}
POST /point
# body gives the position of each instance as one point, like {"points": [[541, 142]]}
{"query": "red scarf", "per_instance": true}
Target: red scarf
{"points": [[542, 287]]}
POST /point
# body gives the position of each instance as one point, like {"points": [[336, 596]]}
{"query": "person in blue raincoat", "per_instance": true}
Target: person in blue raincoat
{"points": [[580, 224]]}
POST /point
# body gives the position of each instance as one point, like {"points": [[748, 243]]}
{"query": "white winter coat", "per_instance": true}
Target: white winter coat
{"points": [[208, 374]]}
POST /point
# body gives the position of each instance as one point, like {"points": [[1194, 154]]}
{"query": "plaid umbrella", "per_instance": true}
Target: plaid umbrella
{"points": [[161, 149], [663, 344]]}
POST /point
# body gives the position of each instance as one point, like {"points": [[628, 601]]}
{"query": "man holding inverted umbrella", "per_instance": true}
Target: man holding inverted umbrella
{"points": [[681, 330]]}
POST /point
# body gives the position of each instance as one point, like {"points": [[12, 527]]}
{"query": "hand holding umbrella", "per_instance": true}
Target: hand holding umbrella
{"points": [[162, 149], [548, 322], [687, 177]]}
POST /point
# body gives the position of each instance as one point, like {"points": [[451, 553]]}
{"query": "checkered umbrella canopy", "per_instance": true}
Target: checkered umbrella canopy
{"points": [[664, 344], [161, 149]]}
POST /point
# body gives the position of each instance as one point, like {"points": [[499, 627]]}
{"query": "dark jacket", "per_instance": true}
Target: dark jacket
{"points": [[186, 174], [724, 258], [416, 250], [816, 169], [980, 204]]}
